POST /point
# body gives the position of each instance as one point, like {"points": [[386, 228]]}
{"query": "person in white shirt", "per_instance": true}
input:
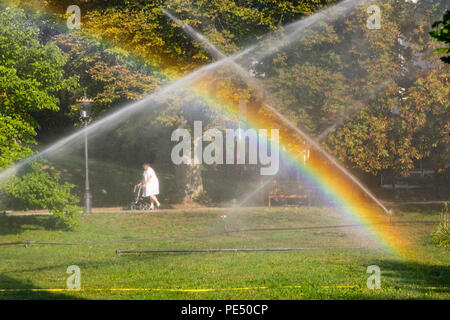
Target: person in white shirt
{"points": [[150, 185]]}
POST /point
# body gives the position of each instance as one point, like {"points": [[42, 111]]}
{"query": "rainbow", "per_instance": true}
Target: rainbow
{"points": [[346, 197]]}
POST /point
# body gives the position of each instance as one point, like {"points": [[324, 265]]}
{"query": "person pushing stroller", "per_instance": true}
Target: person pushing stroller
{"points": [[150, 186]]}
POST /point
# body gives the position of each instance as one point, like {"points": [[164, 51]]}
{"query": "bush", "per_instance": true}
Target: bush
{"points": [[441, 235], [38, 189]]}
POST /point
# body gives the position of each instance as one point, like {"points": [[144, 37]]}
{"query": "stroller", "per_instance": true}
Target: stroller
{"points": [[140, 203]]}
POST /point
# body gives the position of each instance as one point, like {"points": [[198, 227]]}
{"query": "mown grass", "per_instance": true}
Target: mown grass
{"points": [[336, 270]]}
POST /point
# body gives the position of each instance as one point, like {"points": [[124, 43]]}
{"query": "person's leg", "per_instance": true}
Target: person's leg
{"points": [[151, 202], [155, 200]]}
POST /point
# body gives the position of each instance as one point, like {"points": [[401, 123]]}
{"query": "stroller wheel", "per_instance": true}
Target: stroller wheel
{"points": [[133, 207]]}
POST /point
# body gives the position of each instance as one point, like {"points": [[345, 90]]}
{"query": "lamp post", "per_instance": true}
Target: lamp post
{"points": [[85, 118]]}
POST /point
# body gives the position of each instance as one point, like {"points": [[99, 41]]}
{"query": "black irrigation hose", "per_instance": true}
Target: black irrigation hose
{"points": [[119, 252], [29, 242], [334, 227], [12, 243]]}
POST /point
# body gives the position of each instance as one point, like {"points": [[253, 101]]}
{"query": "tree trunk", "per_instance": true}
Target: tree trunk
{"points": [[188, 176], [189, 181]]}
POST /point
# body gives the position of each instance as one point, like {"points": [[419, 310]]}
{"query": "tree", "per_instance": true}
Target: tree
{"points": [[368, 78], [107, 76], [31, 74], [408, 120]]}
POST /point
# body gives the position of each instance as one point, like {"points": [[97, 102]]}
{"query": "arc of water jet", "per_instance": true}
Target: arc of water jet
{"points": [[216, 52], [124, 113], [294, 28]]}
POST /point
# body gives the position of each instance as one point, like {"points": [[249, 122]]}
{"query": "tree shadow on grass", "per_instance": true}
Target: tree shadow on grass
{"points": [[18, 224], [82, 264], [416, 277], [12, 289], [417, 274]]}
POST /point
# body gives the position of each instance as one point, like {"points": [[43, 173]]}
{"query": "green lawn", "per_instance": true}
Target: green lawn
{"points": [[324, 273]]}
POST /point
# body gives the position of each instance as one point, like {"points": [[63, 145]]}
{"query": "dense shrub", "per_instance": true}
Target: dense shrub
{"points": [[35, 188], [441, 235]]}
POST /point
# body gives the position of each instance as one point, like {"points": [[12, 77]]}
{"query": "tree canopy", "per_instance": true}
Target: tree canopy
{"points": [[31, 74]]}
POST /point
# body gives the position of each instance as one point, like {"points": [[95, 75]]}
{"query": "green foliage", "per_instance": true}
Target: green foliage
{"points": [[442, 34], [30, 75], [36, 189], [14, 137], [441, 235], [232, 24], [376, 138], [141, 28], [109, 77]]}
